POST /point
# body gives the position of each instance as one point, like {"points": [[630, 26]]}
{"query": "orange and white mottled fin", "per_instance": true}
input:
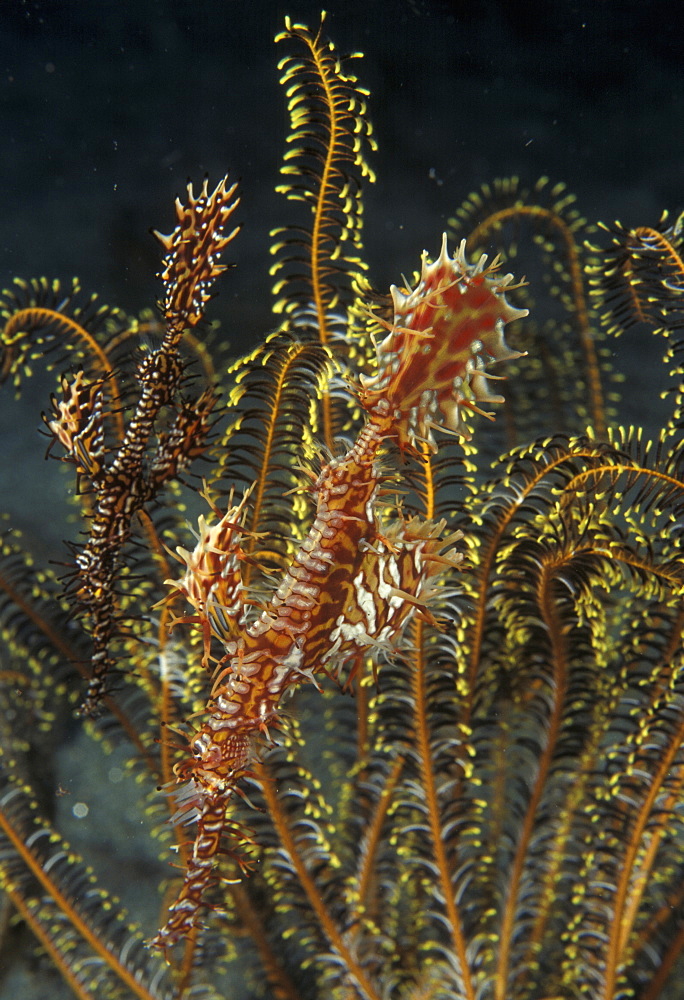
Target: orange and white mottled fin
{"points": [[398, 576], [212, 581], [446, 333]]}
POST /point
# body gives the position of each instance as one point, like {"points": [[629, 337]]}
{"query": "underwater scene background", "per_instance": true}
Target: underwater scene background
{"points": [[107, 110]]}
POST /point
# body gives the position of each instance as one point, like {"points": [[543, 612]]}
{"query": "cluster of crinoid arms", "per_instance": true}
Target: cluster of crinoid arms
{"points": [[497, 811]]}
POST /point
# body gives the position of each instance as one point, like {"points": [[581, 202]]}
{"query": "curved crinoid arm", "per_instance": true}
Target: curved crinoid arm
{"points": [[45, 319], [639, 278], [540, 224], [446, 333], [193, 249]]}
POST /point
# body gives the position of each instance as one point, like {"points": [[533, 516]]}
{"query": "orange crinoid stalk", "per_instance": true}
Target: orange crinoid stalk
{"points": [[354, 582]]}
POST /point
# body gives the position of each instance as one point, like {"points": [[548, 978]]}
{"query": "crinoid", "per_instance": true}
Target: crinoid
{"points": [[410, 715]]}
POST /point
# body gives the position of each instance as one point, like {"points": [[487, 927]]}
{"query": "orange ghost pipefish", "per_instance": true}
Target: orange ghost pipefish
{"points": [[354, 582]]}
